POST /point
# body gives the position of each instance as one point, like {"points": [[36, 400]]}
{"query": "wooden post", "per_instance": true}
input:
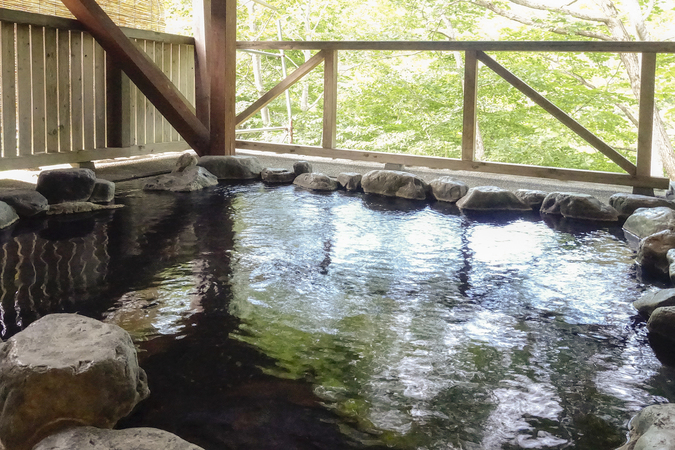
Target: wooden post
{"points": [[202, 29], [118, 110], [470, 102], [646, 120], [221, 53], [330, 74]]}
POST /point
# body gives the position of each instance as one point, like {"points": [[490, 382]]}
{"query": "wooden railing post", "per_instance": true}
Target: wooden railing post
{"points": [[118, 107], [202, 28], [330, 75], [470, 102], [646, 120]]}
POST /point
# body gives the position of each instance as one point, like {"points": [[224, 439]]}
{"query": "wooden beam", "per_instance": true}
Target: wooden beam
{"points": [[457, 164], [201, 29], [143, 72], [118, 109], [281, 87], [646, 118], [470, 101], [330, 76], [558, 113], [221, 55]]}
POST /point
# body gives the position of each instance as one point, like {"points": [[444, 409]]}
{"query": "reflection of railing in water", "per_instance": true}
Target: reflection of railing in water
{"points": [[39, 275]]}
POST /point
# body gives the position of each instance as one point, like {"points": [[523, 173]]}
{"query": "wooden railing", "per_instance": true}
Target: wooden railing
{"points": [[636, 175], [63, 102]]}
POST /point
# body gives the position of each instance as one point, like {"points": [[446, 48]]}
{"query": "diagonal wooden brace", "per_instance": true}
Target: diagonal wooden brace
{"points": [[154, 84]]}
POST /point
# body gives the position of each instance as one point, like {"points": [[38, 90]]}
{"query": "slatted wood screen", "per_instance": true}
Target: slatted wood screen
{"points": [[53, 90]]}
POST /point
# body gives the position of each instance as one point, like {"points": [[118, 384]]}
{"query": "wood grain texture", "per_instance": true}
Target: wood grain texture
{"points": [[470, 102]]}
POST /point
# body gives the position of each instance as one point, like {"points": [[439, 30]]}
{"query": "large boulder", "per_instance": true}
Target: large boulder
{"points": [[646, 221], [26, 202], [191, 179], [662, 322], [66, 370], [626, 204], [653, 428], [300, 167], [7, 215], [393, 183], [578, 206], [447, 189], [531, 197], [277, 176], [66, 185], [653, 250], [232, 167], [652, 300], [90, 438], [316, 181], [104, 191], [491, 198], [350, 181]]}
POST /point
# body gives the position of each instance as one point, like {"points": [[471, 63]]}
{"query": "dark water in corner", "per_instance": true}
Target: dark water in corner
{"points": [[276, 318]]}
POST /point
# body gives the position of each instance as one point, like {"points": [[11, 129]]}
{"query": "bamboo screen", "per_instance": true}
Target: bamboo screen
{"points": [[141, 14]]}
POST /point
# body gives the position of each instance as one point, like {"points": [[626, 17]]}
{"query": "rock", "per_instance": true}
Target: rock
{"points": [[393, 166], [578, 206], [66, 370], [491, 198], [531, 197], [90, 438], [26, 202], [447, 189], [670, 257], [66, 185], [232, 167], [302, 167], [78, 207], [626, 204], [7, 215], [670, 193], [316, 181], [652, 251], [350, 181], [662, 322], [184, 161], [653, 428], [652, 300], [191, 179], [104, 191], [277, 176], [646, 221], [392, 183]]}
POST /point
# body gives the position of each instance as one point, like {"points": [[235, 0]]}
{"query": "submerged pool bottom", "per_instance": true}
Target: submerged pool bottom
{"points": [[278, 318]]}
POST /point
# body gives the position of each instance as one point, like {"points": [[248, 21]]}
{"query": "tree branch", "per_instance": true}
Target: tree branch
{"points": [[487, 4], [563, 9]]}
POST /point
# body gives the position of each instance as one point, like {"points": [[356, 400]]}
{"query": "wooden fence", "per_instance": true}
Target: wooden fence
{"points": [[636, 175], [63, 102]]}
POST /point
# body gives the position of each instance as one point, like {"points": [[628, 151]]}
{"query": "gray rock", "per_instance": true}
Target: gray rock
{"points": [[652, 252], [670, 193], [90, 438], [277, 176], [350, 181], [670, 257], [7, 215], [78, 207], [315, 181], [531, 197], [26, 202], [184, 161], [302, 167], [491, 198], [191, 179], [652, 300], [66, 370], [646, 221], [392, 183], [578, 206], [66, 185], [447, 189], [232, 167], [653, 428], [626, 204], [104, 191], [662, 322]]}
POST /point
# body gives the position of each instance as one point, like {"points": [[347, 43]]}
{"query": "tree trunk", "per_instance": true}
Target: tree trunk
{"points": [[257, 65]]}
